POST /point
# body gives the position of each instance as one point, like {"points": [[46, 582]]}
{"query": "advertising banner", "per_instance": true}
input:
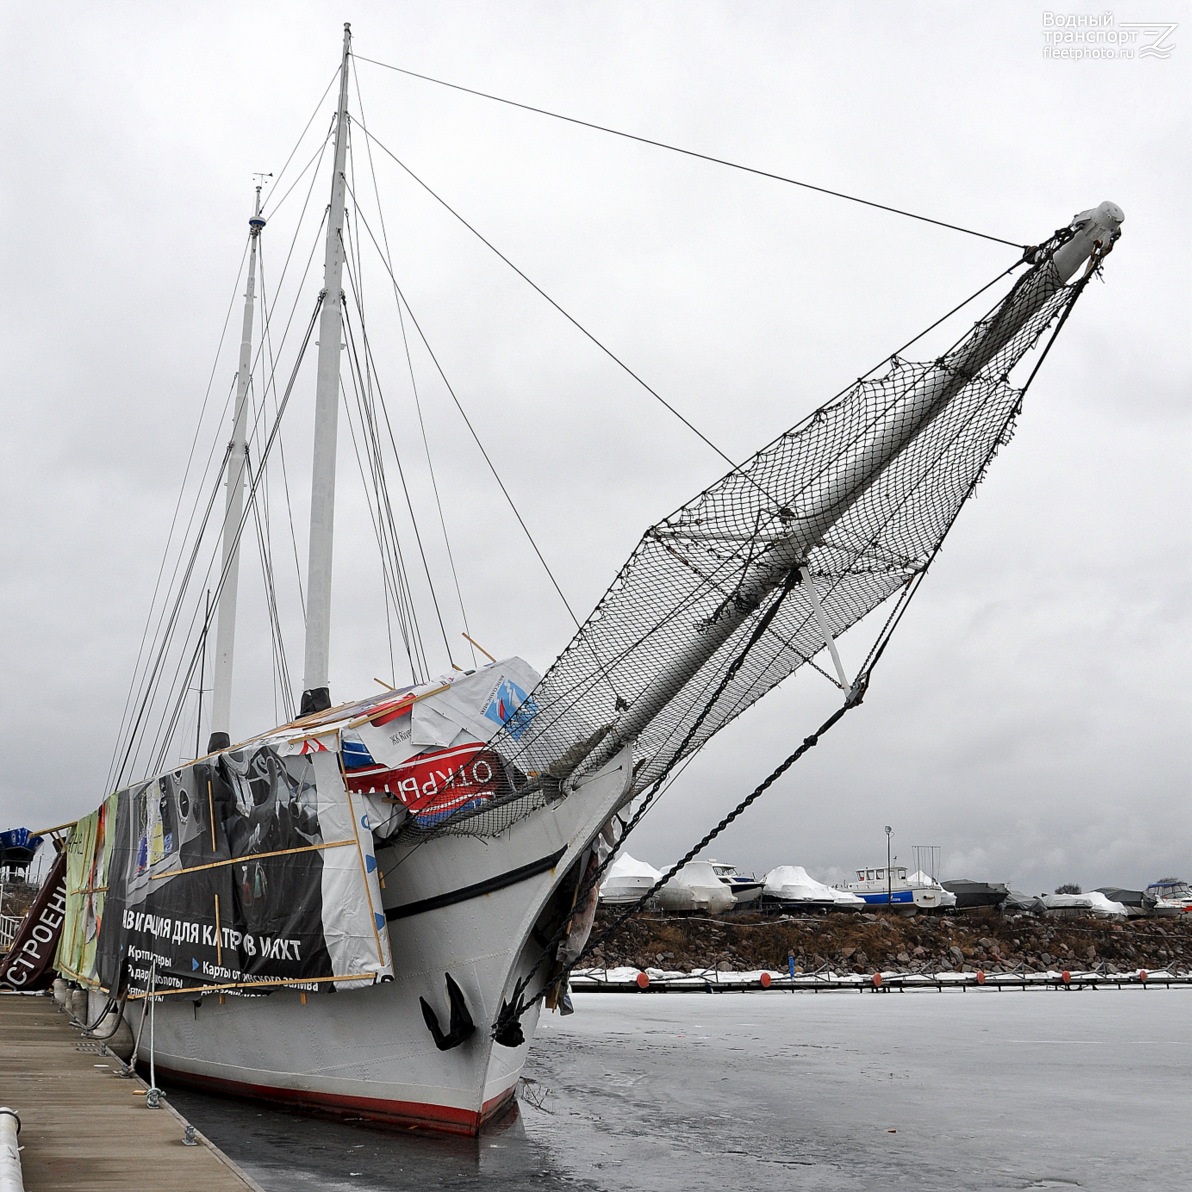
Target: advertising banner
{"points": [[28, 964], [240, 872]]}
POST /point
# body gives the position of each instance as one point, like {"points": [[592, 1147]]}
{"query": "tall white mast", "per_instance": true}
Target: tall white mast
{"points": [[316, 682], [237, 468]]}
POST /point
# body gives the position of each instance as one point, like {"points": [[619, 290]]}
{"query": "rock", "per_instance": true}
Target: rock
{"points": [[956, 954]]}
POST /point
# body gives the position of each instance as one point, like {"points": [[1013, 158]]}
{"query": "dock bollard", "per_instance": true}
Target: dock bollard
{"points": [[11, 1179]]}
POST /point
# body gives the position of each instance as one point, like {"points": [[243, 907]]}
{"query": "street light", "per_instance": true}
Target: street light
{"points": [[889, 887]]}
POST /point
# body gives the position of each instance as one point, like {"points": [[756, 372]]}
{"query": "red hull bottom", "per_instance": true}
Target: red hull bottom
{"points": [[444, 1119]]}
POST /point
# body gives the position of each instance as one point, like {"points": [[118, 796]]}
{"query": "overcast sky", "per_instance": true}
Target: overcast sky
{"points": [[1032, 714]]}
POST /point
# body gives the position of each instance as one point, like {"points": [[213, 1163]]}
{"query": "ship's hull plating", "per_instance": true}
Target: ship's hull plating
{"points": [[455, 904]]}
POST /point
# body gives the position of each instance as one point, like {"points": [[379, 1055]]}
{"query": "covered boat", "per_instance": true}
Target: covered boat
{"points": [[971, 895], [696, 887], [1092, 903], [792, 888], [627, 880]]}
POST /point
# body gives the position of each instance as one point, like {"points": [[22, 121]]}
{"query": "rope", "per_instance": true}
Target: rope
{"points": [[405, 339], [836, 194], [761, 627], [699, 434]]}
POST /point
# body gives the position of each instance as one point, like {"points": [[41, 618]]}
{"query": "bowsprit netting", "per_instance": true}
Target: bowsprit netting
{"points": [[714, 608]]}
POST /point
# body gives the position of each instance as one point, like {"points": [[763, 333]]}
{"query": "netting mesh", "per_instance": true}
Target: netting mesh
{"points": [[859, 494]]}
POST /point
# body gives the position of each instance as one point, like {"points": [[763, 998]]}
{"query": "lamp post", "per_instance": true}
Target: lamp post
{"points": [[889, 886]]}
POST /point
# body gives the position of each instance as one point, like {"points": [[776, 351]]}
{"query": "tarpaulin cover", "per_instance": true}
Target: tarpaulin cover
{"points": [[245, 870], [429, 748]]}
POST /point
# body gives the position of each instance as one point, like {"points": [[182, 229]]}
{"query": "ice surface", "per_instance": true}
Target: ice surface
{"points": [[831, 1092]]}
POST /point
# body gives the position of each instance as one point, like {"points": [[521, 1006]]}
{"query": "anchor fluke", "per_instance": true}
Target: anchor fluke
{"points": [[460, 1026]]}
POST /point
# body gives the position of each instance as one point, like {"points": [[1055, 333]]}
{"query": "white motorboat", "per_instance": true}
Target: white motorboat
{"points": [[884, 886], [746, 888], [1168, 897]]}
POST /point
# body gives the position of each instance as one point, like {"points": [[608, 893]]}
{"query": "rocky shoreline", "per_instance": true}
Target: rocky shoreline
{"points": [[871, 942]]}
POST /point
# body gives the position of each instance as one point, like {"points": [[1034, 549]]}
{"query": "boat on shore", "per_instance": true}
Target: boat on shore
{"points": [[884, 886], [1167, 897], [627, 881], [792, 889], [697, 888], [366, 909], [971, 895], [1093, 903], [746, 889]]}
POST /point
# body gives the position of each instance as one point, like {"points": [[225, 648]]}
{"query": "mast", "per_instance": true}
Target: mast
{"points": [[316, 680], [237, 468]]}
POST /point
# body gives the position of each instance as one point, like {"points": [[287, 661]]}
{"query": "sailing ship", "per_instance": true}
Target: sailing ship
{"points": [[367, 909]]}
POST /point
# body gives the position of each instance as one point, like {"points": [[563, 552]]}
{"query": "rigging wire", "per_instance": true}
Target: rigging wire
{"points": [[387, 256], [394, 573], [733, 465], [138, 673], [181, 679], [305, 128], [853, 697], [699, 434], [368, 364], [720, 161], [365, 368], [472, 430]]}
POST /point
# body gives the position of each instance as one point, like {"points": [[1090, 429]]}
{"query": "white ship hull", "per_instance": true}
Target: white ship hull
{"points": [[455, 904]]}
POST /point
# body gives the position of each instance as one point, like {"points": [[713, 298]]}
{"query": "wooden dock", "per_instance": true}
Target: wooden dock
{"points": [[83, 1127]]}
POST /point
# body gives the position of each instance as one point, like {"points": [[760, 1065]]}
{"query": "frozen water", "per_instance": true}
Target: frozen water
{"points": [[982, 1089]]}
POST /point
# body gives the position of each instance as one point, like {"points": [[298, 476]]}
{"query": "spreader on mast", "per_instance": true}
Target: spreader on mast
{"points": [[316, 681]]}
